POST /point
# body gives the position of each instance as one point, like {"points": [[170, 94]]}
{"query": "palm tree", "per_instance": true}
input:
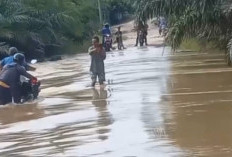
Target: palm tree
{"points": [[204, 19], [32, 25]]}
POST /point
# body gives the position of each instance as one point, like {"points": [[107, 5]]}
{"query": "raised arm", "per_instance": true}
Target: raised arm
{"points": [[91, 50]]}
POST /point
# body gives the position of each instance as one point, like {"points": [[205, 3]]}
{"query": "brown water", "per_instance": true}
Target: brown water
{"points": [[153, 105]]}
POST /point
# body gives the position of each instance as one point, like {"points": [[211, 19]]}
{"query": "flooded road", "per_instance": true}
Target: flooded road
{"points": [[153, 105]]}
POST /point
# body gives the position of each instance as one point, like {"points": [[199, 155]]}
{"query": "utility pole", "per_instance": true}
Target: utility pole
{"points": [[100, 12]]}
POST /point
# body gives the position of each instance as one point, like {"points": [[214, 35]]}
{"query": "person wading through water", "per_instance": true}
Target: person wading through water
{"points": [[10, 86], [97, 68], [118, 35]]}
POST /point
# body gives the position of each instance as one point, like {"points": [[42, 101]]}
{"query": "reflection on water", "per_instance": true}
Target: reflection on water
{"points": [[153, 105], [19, 113], [105, 119]]}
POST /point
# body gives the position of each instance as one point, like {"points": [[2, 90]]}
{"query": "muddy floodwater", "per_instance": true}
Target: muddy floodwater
{"points": [[153, 105]]}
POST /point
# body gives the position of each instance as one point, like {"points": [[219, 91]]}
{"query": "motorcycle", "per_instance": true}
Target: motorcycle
{"points": [[107, 42], [141, 38], [30, 89]]}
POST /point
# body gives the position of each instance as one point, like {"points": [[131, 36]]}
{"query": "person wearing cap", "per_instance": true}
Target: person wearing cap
{"points": [[10, 87], [10, 59]]}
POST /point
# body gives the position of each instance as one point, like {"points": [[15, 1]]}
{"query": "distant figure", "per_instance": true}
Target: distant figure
{"points": [[106, 35], [119, 40], [97, 68], [162, 24], [145, 32], [106, 29], [141, 28]]}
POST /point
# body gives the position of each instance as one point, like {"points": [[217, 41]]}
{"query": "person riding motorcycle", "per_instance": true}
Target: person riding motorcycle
{"points": [[106, 31], [10, 59], [10, 85], [162, 25]]}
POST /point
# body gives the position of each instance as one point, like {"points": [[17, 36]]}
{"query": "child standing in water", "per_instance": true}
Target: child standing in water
{"points": [[97, 68], [118, 35]]}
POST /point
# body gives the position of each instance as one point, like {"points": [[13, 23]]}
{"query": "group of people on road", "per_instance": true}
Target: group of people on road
{"points": [[14, 66], [107, 37], [162, 24], [98, 51]]}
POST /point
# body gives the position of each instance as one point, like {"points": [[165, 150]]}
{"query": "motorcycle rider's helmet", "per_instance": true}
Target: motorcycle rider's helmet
{"points": [[13, 51], [19, 58], [107, 25]]}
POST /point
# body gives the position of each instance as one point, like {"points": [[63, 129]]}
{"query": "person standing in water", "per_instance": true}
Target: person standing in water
{"points": [[97, 67], [138, 28], [118, 35], [145, 30]]}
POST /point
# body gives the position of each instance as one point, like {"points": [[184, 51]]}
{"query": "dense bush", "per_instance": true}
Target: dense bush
{"points": [[209, 20], [45, 27]]}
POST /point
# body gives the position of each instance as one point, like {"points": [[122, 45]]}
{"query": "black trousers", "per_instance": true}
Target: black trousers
{"points": [[5, 96]]}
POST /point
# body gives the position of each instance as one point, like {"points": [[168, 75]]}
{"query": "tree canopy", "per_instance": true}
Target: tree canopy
{"points": [[204, 19], [37, 26]]}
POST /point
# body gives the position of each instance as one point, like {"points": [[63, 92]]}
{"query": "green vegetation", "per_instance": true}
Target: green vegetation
{"points": [[44, 27], [205, 20], [114, 11], [191, 44]]}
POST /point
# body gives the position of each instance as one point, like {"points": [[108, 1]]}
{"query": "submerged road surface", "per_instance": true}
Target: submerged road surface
{"points": [[153, 105]]}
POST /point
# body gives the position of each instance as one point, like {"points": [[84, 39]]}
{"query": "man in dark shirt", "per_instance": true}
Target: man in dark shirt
{"points": [[97, 67], [10, 86], [106, 31]]}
